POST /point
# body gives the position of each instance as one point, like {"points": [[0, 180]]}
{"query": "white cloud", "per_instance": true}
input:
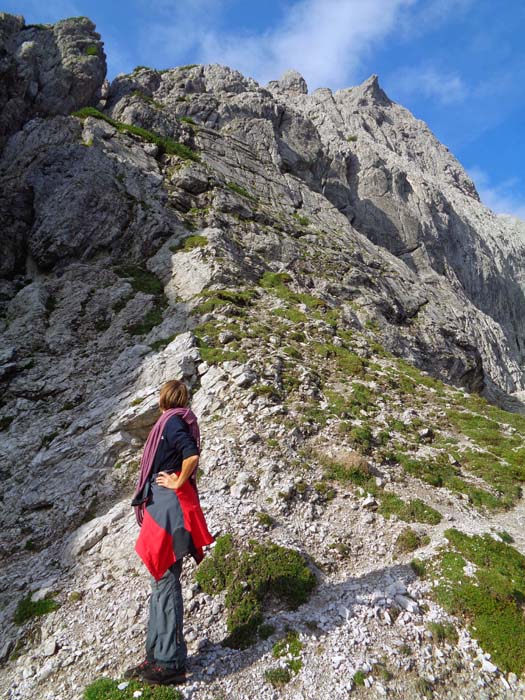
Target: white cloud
{"points": [[325, 40], [444, 87], [503, 197], [431, 14]]}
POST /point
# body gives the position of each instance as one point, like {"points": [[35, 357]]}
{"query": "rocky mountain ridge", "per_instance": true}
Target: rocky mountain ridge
{"points": [[282, 251]]}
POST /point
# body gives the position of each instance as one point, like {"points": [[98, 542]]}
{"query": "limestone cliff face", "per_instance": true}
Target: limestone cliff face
{"points": [[47, 69], [347, 192], [135, 238]]}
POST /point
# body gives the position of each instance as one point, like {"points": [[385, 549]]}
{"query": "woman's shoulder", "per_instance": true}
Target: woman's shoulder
{"points": [[176, 423]]}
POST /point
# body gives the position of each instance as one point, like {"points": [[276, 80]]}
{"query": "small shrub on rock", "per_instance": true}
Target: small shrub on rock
{"points": [[251, 577], [277, 676], [409, 540]]}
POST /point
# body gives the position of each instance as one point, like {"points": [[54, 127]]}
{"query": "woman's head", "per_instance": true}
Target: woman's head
{"points": [[173, 394]]}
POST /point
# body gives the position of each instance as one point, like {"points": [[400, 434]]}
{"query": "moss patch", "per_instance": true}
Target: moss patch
{"points": [[165, 144], [289, 648], [107, 689], [414, 511], [214, 298], [491, 601], [277, 283], [27, 609], [440, 472], [250, 577], [240, 190], [143, 280], [409, 540], [277, 676], [190, 243]]}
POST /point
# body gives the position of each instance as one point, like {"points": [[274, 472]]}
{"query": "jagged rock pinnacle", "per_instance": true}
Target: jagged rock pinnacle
{"points": [[372, 91], [290, 82]]}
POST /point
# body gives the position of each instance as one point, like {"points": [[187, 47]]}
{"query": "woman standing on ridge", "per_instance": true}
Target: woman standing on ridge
{"points": [[172, 525]]}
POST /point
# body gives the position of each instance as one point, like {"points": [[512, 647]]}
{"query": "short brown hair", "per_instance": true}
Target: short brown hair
{"points": [[173, 394]]}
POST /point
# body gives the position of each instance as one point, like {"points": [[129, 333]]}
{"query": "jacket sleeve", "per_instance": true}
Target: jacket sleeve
{"points": [[179, 438]]}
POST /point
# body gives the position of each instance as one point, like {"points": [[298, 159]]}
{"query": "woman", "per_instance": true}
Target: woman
{"points": [[172, 525]]}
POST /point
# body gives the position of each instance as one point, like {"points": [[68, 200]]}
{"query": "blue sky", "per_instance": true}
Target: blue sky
{"points": [[456, 64]]}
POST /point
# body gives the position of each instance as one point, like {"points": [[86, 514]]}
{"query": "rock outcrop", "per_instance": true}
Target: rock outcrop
{"points": [[269, 246], [47, 70]]}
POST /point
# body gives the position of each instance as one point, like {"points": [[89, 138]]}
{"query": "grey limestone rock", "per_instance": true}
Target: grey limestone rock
{"points": [[124, 265], [47, 69]]}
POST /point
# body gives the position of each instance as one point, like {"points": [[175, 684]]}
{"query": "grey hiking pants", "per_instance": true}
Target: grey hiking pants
{"points": [[165, 643]]}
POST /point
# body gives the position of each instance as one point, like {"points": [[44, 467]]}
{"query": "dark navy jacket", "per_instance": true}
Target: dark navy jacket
{"points": [[176, 444]]}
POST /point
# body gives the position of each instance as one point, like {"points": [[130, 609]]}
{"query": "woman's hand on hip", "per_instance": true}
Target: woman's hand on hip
{"points": [[169, 481]]}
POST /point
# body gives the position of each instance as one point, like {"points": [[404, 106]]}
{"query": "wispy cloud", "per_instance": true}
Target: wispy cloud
{"points": [[445, 87], [325, 40], [431, 14], [507, 197]]}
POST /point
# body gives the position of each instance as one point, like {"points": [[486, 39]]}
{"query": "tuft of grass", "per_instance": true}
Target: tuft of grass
{"points": [[443, 632], [277, 677], [234, 187], [189, 243], [250, 577], [277, 283], [325, 491], [265, 519], [291, 315], [92, 50], [409, 540], [214, 298], [161, 343], [107, 689], [354, 470], [352, 138], [27, 609], [290, 647], [359, 678], [165, 143], [409, 511], [440, 472], [361, 437], [348, 362], [141, 279], [492, 600], [151, 319], [301, 219], [274, 280], [424, 688]]}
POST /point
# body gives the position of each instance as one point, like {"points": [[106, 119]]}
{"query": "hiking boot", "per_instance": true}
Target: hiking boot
{"points": [[137, 671], [156, 675]]}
